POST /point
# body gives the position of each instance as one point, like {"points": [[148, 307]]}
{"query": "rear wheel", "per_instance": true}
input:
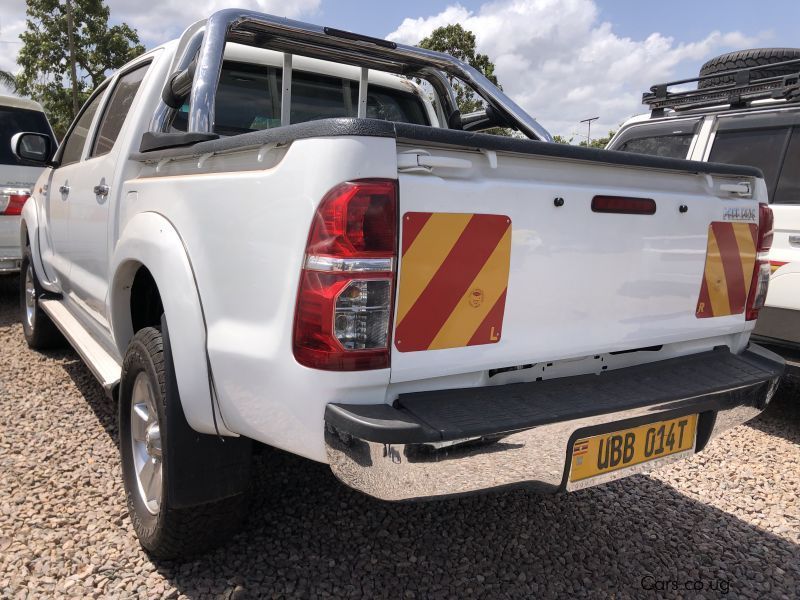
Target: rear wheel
{"points": [[164, 530], [749, 58], [40, 332]]}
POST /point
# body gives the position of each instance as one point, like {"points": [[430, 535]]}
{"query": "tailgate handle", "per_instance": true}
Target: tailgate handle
{"points": [[424, 161], [741, 188]]}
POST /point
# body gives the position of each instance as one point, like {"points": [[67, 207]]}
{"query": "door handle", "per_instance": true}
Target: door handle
{"points": [[64, 189], [101, 189], [794, 240]]}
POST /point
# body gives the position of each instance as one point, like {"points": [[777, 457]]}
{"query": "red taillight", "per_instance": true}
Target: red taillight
{"points": [[14, 203], [355, 219], [344, 303], [624, 205], [761, 269]]}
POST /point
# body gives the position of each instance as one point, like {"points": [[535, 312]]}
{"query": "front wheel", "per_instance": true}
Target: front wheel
{"points": [[40, 332], [163, 529]]}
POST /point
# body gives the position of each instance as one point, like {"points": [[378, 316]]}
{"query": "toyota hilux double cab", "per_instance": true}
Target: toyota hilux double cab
{"points": [[17, 175], [270, 231], [745, 110]]}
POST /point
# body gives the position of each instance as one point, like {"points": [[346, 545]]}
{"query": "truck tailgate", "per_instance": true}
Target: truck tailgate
{"points": [[504, 261]]}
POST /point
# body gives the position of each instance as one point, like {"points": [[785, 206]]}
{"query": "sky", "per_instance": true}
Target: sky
{"points": [[561, 60]]}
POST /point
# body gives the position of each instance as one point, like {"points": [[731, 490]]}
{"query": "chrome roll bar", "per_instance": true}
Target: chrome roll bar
{"points": [[204, 45]]}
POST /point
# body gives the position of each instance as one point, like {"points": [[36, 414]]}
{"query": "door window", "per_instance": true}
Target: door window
{"points": [[788, 190], [117, 109], [671, 139], [76, 138], [762, 148]]}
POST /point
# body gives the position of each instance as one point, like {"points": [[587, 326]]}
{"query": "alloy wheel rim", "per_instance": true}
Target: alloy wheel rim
{"points": [[146, 443], [30, 297]]}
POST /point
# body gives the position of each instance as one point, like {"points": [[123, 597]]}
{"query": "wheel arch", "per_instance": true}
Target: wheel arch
{"points": [[149, 244], [29, 232]]}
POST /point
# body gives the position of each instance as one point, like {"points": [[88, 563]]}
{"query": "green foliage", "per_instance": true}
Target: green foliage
{"points": [[460, 43], [44, 56], [601, 142], [8, 80]]}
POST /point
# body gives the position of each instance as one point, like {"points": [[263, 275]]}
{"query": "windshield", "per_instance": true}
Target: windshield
{"points": [[14, 120]]}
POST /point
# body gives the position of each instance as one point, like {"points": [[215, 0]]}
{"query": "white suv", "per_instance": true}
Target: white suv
{"points": [[17, 176], [745, 110]]}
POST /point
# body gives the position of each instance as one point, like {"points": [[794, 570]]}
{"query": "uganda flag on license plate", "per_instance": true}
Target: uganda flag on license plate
{"points": [[730, 259], [453, 280]]}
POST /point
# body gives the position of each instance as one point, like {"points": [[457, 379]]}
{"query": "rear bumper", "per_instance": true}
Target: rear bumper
{"points": [[788, 351], [454, 442], [10, 251], [9, 264]]}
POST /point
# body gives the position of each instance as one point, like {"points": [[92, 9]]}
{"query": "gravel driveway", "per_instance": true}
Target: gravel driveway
{"points": [[727, 520]]}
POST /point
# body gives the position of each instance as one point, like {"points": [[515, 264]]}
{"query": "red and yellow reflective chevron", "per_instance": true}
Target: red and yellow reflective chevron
{"points": [[453, 280], [730, 258]]}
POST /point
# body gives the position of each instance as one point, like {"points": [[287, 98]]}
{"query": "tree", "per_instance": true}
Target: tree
{"points": [[599, 142], [559, 139], [8, 80], [460, 43], [45, 54]]}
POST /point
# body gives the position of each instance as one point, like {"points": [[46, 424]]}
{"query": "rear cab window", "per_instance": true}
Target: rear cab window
{"points": [[671, 139], [769, 141], [249, 99], [14, 120]]}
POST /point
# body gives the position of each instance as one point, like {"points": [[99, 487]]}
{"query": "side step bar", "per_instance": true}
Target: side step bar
{"points": [[104, 366]]}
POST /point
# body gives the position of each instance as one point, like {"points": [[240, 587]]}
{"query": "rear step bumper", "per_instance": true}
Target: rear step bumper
{"points": [[452, 442]]}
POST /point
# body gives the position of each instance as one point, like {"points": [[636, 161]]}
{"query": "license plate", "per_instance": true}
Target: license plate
{"points": [[613, 455]]}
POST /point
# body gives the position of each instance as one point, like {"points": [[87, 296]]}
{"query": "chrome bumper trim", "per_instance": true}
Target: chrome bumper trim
{"points": [[534, 458], [10, 264]]}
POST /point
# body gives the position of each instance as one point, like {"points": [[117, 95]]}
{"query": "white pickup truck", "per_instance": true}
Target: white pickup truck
{"points": [[272, 231]]}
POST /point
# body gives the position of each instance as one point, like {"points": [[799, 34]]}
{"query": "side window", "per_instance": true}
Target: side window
{"points": [[76, 139], [117, 109], [760, 148], [788, 190], [672, 146], [670, 139]]}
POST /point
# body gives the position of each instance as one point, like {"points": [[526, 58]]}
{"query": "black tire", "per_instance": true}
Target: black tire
{"points": [[40, 332], [749, 58], [170, 533]]}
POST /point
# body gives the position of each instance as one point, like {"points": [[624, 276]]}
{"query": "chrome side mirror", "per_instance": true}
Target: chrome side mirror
{"points": [[32, 147]]}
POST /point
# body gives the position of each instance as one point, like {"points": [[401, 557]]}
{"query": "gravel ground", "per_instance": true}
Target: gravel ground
{"points": [[724, 523]]}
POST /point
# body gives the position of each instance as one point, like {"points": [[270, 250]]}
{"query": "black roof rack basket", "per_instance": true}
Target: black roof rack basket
{"points": [[738, 93]]}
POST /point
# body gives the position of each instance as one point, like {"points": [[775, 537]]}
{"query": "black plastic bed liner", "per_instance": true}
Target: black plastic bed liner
{"points": [[706, 381]]}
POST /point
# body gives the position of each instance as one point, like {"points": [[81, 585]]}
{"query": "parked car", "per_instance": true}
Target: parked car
{"points": [[17, 176], [745, 110], [267, 230]]}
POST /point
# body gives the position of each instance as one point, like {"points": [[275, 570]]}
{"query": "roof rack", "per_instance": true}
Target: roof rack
{"points": [[738, 94]]}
